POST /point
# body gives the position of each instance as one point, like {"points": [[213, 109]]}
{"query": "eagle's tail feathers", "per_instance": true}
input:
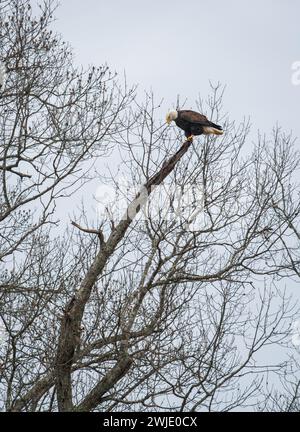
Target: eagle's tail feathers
{"points": [[214, 125], [209, 130]]}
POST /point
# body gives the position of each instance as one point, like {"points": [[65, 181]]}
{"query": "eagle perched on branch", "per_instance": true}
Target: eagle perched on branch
{"points": [[193, 123]]}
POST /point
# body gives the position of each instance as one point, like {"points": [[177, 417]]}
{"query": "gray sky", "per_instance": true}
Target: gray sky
{"points": [[176, 47]]}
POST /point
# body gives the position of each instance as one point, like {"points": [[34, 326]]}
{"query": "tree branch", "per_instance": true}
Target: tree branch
{"points": [[71, 321]]}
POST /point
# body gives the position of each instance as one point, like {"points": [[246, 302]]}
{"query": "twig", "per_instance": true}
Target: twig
{"points": [[98, 232]]}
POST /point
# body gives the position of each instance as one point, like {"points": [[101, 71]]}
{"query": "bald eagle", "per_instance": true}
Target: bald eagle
{"points": [[193, 123]]}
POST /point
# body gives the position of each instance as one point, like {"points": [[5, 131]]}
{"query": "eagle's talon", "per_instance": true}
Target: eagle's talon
{"points": [[190, 138]]}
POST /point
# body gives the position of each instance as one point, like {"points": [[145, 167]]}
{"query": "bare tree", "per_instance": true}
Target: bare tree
{"points": [[172, 300], [54, 118]]}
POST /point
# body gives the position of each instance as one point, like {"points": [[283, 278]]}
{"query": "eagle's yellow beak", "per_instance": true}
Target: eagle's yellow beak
{"points": [[168, 120]]}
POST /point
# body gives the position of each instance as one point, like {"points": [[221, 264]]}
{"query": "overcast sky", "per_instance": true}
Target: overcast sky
{"points": [[176, 47]]}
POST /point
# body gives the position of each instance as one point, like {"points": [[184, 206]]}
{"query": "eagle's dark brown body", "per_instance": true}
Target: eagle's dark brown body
{"points": [[194, 123]]}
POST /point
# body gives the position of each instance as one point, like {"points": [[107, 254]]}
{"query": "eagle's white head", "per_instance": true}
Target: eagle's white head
{"points": [[172, 115]]}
